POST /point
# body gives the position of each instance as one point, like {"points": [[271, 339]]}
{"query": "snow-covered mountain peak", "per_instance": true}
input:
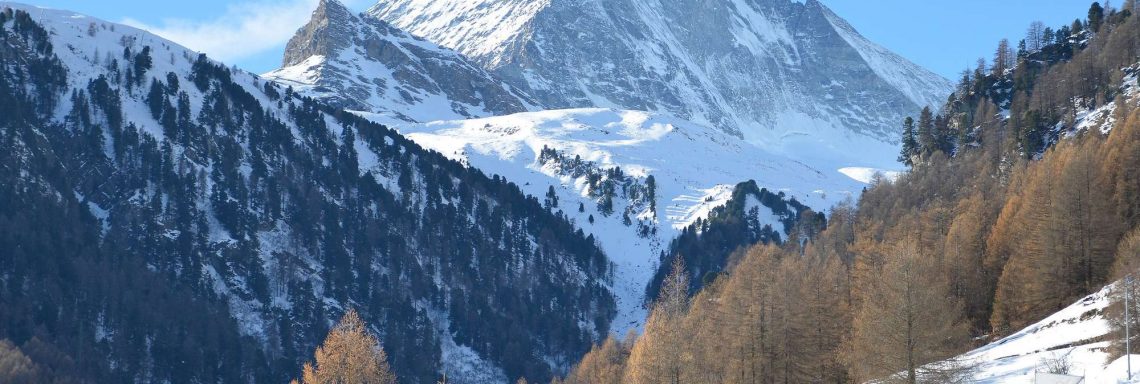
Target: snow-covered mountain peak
{"points": [[785, 75], [481, 29], [362, 63]]}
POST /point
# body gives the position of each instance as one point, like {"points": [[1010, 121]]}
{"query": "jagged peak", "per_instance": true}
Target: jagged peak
{"points": [[329, 13], [360, 62], [333, 5], [330, 29]]}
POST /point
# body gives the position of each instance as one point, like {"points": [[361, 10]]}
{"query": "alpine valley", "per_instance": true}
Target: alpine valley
{"points": [[647, 99], [581, 191]]}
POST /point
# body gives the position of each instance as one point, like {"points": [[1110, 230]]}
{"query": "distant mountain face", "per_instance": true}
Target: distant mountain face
{"points": [[362, 63], [788, 75], [167, 219]]}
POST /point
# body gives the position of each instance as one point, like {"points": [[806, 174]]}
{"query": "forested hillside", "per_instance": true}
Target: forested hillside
{"points": [[1019, 196], [168, 219], [752, 216]]}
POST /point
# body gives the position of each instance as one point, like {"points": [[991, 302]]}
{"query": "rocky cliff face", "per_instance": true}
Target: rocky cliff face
{"points": [[362, 63], [787, 75]]}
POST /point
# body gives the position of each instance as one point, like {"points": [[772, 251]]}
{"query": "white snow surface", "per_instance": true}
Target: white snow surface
{"points": [[695, 167], [1075, 332], [491, 28], [1103, 118], [867, 175]]}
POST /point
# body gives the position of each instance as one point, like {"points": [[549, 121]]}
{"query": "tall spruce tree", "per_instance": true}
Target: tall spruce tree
{"points": [[927, 138], [1096, 17], [909, 143]]}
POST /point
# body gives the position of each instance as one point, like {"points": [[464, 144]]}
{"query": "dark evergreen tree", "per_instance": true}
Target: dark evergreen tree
{"points": [[651, 193], [1096, 16], [142, 63], [944, 134], [910, 147], [155, 98], [927, 138], [551, 201]]}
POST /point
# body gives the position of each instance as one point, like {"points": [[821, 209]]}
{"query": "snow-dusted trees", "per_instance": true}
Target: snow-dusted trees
{"points": [[551, 201], [1035, 37]]}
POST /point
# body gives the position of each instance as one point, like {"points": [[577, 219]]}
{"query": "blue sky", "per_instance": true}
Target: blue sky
{"points": [[947, 36], [943, 35]]}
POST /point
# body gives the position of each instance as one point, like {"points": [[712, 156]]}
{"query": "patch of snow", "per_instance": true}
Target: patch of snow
{"points": [[1076, 332], [867, 175]]}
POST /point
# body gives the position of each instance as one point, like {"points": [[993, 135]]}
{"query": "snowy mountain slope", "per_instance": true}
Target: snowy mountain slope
{"points": [[787, 75], [694, 169], [912, 80], [283, 211], [1077, 333], [362, 63]]}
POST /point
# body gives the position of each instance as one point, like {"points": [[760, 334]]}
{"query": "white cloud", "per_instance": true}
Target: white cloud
{"points": [[245, 29]]}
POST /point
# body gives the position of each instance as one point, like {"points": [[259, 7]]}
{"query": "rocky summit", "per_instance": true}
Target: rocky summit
{"points": [[362, 63]]}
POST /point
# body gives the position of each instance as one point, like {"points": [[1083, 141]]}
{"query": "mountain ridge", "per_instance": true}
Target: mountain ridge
{"points": [[362, 63], [780, 74]]}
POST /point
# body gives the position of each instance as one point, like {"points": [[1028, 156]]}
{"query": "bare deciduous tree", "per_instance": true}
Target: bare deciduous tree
{"points": [[1035, 37], [908, 319], [1004, 57]]}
